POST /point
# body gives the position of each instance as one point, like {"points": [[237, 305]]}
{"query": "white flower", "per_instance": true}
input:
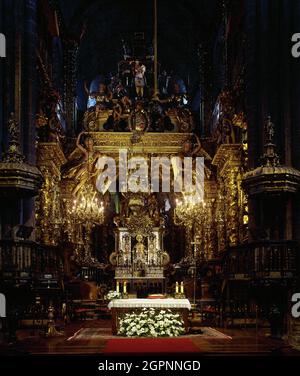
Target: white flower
{"points": [[113, 295], [150, 322]]}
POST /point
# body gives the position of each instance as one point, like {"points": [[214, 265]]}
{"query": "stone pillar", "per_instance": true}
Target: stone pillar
{"points": [[29, 80], [251, 87], [2, 65], [19, 88], [29, 99], [7, 68], [272, 77], [10, 210]]}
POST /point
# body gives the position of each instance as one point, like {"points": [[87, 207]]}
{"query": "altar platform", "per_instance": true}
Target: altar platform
{"points": [[120, 306], [90, 337]]}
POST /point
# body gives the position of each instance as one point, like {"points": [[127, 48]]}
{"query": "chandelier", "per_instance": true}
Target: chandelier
{"points": [[87, 208], [191, 213], [188, 210]]}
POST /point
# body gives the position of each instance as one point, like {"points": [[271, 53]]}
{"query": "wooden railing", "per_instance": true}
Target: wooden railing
{"points": [[265, 259]]}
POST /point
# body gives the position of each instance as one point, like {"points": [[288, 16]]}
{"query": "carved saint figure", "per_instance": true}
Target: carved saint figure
{"points": [[269, 130], [139, 78], [139, 248]]}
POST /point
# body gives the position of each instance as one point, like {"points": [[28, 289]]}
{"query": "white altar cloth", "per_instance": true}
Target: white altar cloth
{"points": [[150, 303]]}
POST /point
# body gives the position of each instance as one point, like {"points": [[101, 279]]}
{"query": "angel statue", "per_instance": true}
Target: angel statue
{"points": [[194, 150], [82, 169]]}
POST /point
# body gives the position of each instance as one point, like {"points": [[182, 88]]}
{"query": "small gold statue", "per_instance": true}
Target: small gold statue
{"points": [[139, 248]]}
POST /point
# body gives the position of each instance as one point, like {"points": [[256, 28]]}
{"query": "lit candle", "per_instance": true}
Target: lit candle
{"points": [[181, 288], [177, 288], [125, 288], [118, 286]]}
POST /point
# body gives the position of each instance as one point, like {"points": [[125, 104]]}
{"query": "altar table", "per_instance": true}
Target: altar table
{"points": [[121, 306]]}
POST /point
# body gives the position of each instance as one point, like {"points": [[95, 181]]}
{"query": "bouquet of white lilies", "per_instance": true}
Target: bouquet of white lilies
{"points": [[111, 295], [151, 322]]}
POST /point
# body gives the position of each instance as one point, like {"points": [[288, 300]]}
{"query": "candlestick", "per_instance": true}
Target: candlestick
{"points": [[125, 287], [181, 288], [177, 288], [118, 287]]}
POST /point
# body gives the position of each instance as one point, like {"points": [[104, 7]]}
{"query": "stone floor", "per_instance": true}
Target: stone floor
{"points": [[89, 337]]}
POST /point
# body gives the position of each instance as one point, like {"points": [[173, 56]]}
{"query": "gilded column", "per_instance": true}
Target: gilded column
{"points": [[232, 207]]}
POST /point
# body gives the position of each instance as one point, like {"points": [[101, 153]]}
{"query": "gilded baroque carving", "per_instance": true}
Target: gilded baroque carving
{"points": [[231, 203]]}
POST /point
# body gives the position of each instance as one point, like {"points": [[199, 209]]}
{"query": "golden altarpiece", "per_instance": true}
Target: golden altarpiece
{"points": [[218, 246], [141, 255]]}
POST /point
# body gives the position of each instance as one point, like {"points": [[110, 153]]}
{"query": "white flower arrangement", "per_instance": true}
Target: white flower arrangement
{"points": [[111, 295], [151, 323]]}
